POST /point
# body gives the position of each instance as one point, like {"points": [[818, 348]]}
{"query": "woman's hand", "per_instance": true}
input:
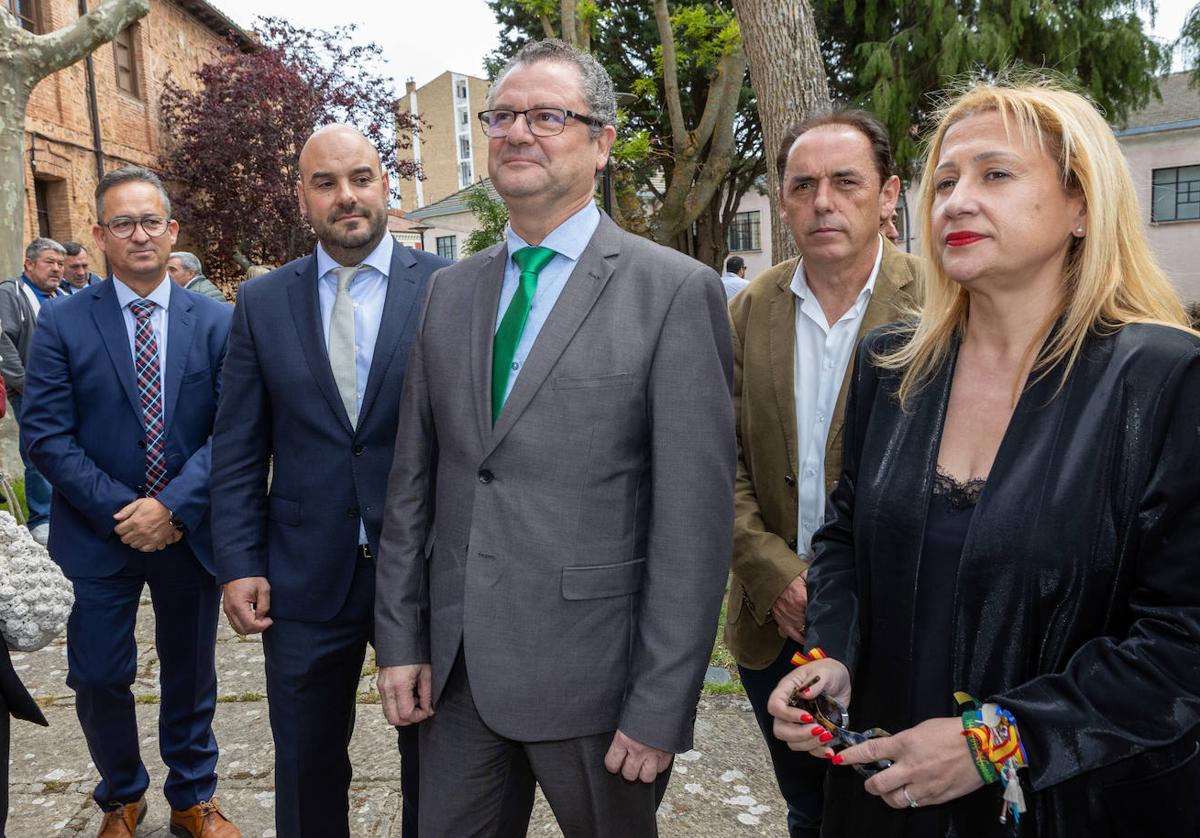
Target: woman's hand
{"points": [[932, 761], [796, 727]]}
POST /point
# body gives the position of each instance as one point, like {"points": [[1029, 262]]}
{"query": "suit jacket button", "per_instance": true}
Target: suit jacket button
{"points": [[792, 545], [485, 476], [789, 479], [141, 443], [352, 512], [358, 450]]}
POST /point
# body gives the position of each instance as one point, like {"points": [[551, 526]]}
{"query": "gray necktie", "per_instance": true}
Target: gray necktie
{"points": [[343, 358]]}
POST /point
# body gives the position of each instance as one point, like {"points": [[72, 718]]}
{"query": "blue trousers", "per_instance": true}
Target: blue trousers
{"points": [[37, 489], [313, 671], [801, 777], [102, 666]]}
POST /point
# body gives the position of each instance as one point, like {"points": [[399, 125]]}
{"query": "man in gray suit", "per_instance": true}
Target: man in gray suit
{"points": [[559, 515]]}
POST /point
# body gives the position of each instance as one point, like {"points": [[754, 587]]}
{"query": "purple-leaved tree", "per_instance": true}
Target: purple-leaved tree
{"points": [[233, 133]]}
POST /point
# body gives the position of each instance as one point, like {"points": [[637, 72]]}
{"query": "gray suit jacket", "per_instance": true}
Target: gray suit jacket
{"points": [[578, 550]]}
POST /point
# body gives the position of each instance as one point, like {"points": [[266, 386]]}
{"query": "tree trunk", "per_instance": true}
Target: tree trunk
{"points": [[784, 54], [26, 59], [567, 23]]}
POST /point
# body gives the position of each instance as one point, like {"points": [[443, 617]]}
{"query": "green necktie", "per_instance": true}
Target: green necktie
{"points": [[530, 260]]}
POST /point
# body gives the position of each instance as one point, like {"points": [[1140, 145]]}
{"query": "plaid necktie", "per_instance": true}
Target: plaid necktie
{"points": [[145, 364]]}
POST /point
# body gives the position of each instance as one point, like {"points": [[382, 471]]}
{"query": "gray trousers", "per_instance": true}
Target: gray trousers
{"points": [[478, 784]]}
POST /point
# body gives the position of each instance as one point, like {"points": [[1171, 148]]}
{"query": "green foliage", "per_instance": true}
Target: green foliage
{"points": [[492, 215], [893, 57], [1189, 39]]}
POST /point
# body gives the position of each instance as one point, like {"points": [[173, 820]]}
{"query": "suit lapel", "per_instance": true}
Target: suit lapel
{"points": [[399, 304], [579, 294], [483, 329], [888, 302], [306, 314], [782, 336], [111, 324], [181, 332]]}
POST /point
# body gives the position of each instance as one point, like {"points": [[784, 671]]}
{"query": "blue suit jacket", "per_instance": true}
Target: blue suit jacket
{"points": [[280, 408], [83, 427]]}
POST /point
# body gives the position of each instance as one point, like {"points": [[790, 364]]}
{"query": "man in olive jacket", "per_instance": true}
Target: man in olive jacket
{"points": [[794, 331]]}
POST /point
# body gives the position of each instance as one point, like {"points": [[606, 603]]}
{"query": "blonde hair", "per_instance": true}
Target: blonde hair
{"points": [[1110, 276]]}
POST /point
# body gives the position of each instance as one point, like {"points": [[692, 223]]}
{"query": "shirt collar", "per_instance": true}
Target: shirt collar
{"points": [[800, 281], [567, 239], [380, 258], [41, 295], [160, 296]]}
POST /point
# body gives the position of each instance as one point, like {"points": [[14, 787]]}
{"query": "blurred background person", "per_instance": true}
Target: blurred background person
{"points": [[1019, 510], [184, 269], [734, 278], [76, 272]]}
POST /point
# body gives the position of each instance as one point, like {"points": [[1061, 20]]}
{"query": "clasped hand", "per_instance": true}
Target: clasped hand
{"points": [[145, 524]]}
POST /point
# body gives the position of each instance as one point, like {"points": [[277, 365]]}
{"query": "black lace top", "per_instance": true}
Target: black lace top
{"points": [[951, 507]]}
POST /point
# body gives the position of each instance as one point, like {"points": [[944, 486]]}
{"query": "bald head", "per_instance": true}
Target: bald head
{"points": [[335, 138], [343, 191]]}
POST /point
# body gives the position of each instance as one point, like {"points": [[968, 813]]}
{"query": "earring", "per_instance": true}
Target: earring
{"points": [[1079, 231]]}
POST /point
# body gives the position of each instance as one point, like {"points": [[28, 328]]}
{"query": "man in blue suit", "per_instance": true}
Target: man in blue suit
{"points": [[310, 395], [122, 388]]}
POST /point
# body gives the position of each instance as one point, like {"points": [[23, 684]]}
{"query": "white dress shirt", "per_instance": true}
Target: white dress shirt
{"points": [[568, 240], [161, 297], [822, 353]]}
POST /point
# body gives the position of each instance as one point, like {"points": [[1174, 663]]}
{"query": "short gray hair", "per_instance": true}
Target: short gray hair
{"points": [[39, 246], [124, 175], [188, 261], [594, 81]]}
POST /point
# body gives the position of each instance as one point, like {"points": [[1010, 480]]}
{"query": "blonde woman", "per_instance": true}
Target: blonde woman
{"points": [[1019, 514]]}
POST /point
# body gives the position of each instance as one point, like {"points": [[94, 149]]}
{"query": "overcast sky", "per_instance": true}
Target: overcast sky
{"points": [[424, 38]]}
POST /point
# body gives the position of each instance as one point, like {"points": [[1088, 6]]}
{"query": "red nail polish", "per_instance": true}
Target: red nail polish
{"points": [[836, 759], [805, 717], [825, 738], [817, 731]]}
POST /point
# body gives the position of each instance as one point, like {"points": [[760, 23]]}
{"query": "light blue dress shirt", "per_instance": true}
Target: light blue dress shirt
{"points": [[568, 240], [161, 297], [368, 290]]}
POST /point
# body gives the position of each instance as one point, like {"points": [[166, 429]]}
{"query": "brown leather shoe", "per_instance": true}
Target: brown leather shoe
{"points": [[204, 820], [123, 822]]}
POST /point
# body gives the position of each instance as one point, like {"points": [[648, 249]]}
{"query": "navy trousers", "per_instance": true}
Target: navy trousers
{"points": [[102, 666], [313, 671], [801, 777]]}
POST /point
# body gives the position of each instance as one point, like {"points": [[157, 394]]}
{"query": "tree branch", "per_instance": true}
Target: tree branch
{"points": [[679, 138], [726, 84], [51, 52], [567, 22]]}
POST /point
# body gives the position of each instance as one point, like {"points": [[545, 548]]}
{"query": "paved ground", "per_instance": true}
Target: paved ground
{"points": [[722, 788]]}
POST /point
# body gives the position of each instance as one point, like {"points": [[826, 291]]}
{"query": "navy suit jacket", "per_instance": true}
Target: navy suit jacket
{"points": [[82, 422], [280, 410]]}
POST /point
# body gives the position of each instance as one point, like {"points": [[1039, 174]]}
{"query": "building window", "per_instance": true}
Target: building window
{"points": [[461, 90], [463, 119], [41, 197], [1176, 195], [447, 247], [464, 147], [464, 175], [744, 232], [25, 11], [126, 60]]}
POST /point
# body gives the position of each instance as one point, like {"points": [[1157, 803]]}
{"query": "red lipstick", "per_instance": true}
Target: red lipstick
{"points": [[962, 239]]}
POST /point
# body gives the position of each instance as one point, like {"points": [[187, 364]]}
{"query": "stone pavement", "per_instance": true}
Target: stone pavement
{"points": [[722, 788]]}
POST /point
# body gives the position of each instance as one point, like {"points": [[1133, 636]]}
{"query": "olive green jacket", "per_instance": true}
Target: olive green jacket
{"points": [[766, 501]]}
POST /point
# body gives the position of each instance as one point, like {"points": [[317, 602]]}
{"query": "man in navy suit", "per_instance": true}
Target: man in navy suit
{"points": [[311, 393], [122, 388]]}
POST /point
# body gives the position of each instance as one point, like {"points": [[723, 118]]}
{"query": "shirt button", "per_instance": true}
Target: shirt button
{"points": [[811, 472], [820, 418], [516, 365]]}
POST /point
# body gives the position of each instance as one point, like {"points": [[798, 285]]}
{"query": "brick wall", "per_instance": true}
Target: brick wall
{"points": [[58, 132]]}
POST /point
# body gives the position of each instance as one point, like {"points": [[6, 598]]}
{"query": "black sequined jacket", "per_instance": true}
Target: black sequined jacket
{"points": [[1077, 603]]}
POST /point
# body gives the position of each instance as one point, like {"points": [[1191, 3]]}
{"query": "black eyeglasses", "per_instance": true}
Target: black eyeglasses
{"points": [[123, 226], [542, 122]]}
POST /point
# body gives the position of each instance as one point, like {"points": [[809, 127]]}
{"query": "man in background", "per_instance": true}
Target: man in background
{"points": [[184, 270], [77, 275], [21, 299], [734, 278]]}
